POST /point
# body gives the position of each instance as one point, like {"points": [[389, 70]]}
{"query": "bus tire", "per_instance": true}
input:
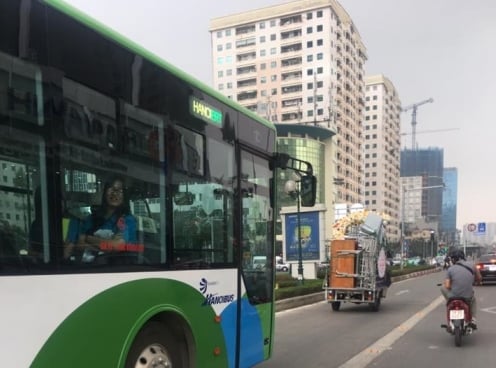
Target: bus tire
{"points": [[156, 345]]}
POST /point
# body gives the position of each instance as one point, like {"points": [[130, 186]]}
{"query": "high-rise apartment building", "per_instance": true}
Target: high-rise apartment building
{"points": [[299, 63], [382, 143]]}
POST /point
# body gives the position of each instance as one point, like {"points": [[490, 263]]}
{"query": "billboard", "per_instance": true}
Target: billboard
{"points": [[310, 237]]}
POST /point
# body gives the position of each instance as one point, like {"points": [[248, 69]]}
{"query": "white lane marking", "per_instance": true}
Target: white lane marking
{"points": [[373, 351], [300, 308], [402, 292], [489, 310]]}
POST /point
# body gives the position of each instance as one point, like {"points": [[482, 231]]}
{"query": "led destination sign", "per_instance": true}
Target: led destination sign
{"points": [[204, 111]]}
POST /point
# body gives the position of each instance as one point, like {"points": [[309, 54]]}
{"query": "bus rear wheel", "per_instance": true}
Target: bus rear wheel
{"points": [[156, 346]]}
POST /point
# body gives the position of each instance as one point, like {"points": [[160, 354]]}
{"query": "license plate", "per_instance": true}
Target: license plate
{"points": [[492, 268], [457, 314]]}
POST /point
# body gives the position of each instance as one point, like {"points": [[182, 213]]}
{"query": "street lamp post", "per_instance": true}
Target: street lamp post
{"points": [[432, 243], [402, 235], [403, 194], [292, 188], [300, 255]]}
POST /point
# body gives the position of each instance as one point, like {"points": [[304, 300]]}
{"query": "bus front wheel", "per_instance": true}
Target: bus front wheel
{"points": [[156, 346]]}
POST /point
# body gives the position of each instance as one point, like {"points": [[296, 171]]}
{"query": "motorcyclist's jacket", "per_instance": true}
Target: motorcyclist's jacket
{"points": [[462, 276]]}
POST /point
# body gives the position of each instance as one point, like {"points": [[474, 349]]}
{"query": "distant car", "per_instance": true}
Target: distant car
{"points": [[280, 265], [414, 261], [283, 267], [487, 267], [396, 261]]}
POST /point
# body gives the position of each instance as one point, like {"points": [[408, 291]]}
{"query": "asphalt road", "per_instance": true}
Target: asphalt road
{"points": [[405, 332]]}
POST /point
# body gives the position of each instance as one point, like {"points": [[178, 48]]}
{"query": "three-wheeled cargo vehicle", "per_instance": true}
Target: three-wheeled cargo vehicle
{"points": [[358, 270]]}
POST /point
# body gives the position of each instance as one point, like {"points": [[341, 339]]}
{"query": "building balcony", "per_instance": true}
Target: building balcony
{"points": [[291, 116], [291, 76], [246, 83], [291, 62], [246, 70], [246, 95], [291, 103], [292, 48], [244, 30], [291, 34], [246, 44], [291, 89], [290, 21]]}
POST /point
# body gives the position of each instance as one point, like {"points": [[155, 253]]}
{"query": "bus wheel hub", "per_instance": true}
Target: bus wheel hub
{"points": [[154, 356]]}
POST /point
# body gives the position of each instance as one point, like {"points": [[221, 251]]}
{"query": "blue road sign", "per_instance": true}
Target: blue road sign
{"points": [[481, 227]]}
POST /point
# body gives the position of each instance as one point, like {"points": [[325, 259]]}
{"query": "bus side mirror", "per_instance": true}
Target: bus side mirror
{"points": [[308, 190]]}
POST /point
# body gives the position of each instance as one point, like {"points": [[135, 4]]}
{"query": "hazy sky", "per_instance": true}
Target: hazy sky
{"points": [[444, 49]]}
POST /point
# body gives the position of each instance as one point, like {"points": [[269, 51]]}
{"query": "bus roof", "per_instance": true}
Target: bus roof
{"points": [[75, 13]]}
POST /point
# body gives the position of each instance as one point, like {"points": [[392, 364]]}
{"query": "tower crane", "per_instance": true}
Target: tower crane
{"points": [[432, 131], [413, 107]]}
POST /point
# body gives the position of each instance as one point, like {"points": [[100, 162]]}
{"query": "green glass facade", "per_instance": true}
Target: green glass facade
{"points": [[306, 149]]}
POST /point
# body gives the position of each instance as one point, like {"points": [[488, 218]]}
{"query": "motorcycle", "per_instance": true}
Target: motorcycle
{"points": [[458, 319]]}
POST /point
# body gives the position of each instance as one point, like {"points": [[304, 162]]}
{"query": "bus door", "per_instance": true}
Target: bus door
{"points": [[256, 259]]}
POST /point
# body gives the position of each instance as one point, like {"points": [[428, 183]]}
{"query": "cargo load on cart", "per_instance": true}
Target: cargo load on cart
{"points": [[358, 271]]}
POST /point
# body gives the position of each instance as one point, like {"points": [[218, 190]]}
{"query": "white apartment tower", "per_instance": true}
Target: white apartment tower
{"points": [[302, 63], [382, 143]]}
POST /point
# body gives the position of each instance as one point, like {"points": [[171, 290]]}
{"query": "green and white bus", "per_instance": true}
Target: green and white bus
{"points": [[79, 104]]}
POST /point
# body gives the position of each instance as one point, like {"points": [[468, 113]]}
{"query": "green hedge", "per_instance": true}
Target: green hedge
{"points": [[290, 291], [397, 271]]}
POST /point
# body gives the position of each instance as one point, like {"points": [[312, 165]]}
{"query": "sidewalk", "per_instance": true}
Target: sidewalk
{"points": [[299, 301]]}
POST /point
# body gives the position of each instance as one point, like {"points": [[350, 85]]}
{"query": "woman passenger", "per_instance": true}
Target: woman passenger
{"points": [[111, 227]]}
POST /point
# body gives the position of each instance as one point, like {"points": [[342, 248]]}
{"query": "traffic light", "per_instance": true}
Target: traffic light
{"points": [[432, 235]]}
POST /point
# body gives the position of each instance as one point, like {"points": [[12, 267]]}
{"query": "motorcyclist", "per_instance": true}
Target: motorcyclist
{"points": [[460, 278]]}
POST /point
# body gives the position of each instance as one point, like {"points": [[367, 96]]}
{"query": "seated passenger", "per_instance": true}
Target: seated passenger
{"points": [[111, 227]]}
